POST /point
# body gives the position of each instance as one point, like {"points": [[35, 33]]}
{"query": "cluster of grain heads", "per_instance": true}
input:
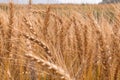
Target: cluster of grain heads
{"points": [[78, 47]]}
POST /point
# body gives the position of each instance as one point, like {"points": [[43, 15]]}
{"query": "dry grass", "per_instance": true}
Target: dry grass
{"points": [[59, 42]]}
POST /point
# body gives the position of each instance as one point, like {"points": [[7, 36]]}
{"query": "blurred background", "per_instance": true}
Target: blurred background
{"points": [[55, 1]]}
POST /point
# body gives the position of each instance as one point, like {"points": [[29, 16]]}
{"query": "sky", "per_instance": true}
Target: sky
{"points": [[54, 1]]}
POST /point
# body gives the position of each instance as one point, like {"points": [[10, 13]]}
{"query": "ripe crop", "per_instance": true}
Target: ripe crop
{"points": [[59, 42]]}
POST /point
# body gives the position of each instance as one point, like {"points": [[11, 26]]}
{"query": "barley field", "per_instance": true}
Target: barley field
{"points": [[59, 42]]}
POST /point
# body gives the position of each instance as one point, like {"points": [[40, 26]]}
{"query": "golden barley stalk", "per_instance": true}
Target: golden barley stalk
{"points": [[50, 65]]}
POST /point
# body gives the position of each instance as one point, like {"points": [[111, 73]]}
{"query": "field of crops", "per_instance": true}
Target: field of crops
{"points": [[60, 42]]}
